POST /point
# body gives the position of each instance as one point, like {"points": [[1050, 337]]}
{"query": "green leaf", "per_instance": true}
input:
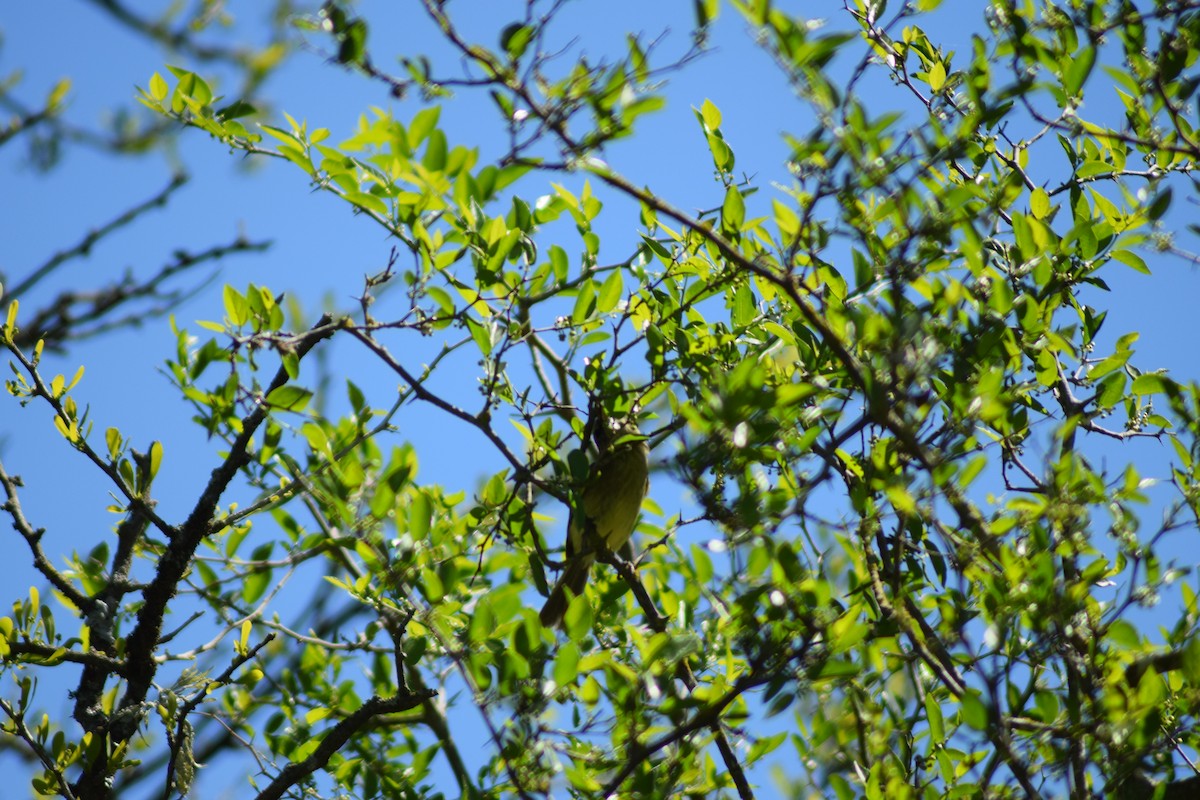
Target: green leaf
{"points": [[1131, 259], [112, 438], [1123, 633], [566, 665], [1039, 203], [481, 334], [191, 86], [585, 302], [420, 515], [234, 540], [1078, 67], [317, 714], [10, 324], [559, 263], [744, 309], [515, 38], [1151, 383], [1159, 205], [722, 155], [933, 713], [974, 712], [237, 310], [316, 438], [255, 585], [578, 619], [240, 108], [158, 87], [435, 152], [289, 398], [1191, 661], [435, 589], [1090, 169], [368, 202], [733, 211], [156, 454], [706, 11], [291, 364], [422, 125], [610, 292], [352, 42], [937, 76]]}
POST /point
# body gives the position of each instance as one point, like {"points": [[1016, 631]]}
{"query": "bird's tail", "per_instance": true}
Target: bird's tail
{"points": [[573, 578]]}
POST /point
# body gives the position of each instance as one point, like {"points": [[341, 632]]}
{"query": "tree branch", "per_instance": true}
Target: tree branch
{"points": [[333, 740]]}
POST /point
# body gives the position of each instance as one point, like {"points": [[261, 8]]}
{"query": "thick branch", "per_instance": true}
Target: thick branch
{"points": [[179, 553]]}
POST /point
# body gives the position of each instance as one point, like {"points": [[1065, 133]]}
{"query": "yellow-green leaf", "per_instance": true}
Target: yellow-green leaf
{"points": [[156, 454], [58, 93], [158, 87], [937, 76], [11, 322], [368, 202], [1039, 203]]}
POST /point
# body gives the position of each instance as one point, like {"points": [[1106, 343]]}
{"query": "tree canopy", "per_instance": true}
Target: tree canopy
{"points": [[936, 535]]}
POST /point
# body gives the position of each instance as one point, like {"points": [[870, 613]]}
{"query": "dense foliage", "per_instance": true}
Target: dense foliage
{"points": [[921, 543]]}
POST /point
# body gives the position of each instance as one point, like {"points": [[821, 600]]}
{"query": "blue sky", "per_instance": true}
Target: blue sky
{"points": [[321, 251]]}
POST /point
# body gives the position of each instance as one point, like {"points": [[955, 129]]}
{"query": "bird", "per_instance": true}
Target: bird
{"points": [[608, 508]]}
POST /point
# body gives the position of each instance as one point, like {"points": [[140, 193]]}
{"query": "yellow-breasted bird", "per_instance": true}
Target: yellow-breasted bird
{"points": [[610, 502]]}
